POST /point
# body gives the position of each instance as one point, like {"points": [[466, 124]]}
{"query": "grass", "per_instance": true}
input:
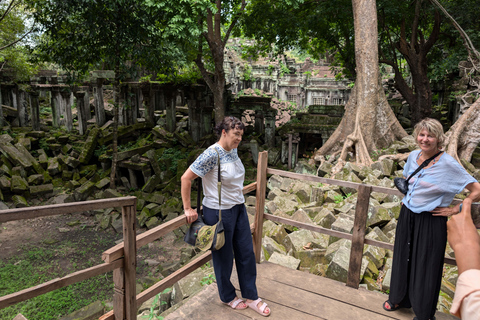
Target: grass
{"points": [[35, 265]]}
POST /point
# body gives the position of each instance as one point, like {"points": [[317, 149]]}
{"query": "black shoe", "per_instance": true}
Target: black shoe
{"points": [[391, 305]]}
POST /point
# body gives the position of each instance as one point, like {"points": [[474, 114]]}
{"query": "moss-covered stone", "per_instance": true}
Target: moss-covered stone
{"points": [[89, 146]]}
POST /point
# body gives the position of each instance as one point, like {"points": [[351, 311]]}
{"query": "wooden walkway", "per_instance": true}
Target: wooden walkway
{"points": [[295, 295]]}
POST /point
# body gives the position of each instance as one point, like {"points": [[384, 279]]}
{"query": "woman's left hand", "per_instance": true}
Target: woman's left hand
{"points": [[445, 211]]}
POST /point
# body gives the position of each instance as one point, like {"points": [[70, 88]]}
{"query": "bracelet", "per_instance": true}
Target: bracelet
{"points": [[460, 208]]}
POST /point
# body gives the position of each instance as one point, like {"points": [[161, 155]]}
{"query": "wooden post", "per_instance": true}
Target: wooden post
{"points": [[119, 293], [358, 237], [130, 250], [260, 203]]}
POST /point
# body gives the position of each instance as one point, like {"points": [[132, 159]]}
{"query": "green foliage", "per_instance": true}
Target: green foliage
{"points": [[208, 279], [15, 57], [283, 69], [270, 69], [157, 302], [247, 73], [100, 150], [169, 159], [339, 198]]}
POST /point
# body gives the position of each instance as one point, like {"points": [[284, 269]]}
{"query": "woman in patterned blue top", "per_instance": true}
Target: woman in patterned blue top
{"points": [[421, 233], [238, 238]]}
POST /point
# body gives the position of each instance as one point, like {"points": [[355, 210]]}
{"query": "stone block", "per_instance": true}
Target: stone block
{"points": [[19, 201], [53, 166], [93, 311], [275, 231], [325, 218], [284, 260], [41, 190], [84, 191], [377, 216], [297, 240], [375, 254], [89, 146], [269, 246], [311, 257], [18, 185]]}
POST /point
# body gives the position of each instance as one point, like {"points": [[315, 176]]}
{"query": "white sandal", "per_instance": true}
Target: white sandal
{"points": [[235, 302], [254, 305]]}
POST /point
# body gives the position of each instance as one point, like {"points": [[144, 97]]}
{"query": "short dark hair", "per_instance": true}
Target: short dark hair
{"points": [[228, 123]]}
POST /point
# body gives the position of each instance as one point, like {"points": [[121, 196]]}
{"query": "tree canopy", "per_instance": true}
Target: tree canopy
{"points": [[414, 38], [14, 30]]}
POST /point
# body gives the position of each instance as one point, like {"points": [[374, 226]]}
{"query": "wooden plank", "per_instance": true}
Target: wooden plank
{"points": [[119, 293], [308, 302], [130, 266], [260, 203], [358, 236], [204, 305], [249, 188], [55, 209], [309, 177], [335, 233], [307, 226], [58, 283], [116, 252], [334, 290], [174, 277], [207, 305]]}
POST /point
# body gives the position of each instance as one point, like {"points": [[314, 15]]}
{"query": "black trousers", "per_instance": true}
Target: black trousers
{"points": [[417, 268], [238, 245]]}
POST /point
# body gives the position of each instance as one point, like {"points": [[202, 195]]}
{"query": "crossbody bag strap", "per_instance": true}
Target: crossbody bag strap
{"points": [[199, 194], [219, 184], [424, 164]]}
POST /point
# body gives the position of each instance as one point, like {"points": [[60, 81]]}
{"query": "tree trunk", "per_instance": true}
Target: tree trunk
{"points": [[369, 122], [464, 136], [415, 50]]}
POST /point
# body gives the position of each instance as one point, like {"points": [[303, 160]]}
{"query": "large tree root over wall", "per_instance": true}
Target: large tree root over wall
{"points": [[464, 136]]}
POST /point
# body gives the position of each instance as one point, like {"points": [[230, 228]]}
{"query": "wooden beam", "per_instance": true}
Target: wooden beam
{"points": [[130, 266], [358, 236], [337, 234], [119, 293], [249, 188], [55, 209], [58, 283], [309, 177], [116, 252], [170, 280], [260, 203], [311, 227]]}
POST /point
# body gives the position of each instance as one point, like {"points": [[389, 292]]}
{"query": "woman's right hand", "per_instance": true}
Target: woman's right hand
{"points": [[191, 215]]}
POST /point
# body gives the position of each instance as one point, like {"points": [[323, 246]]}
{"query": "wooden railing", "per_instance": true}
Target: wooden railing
{"points": [[121, 259]]}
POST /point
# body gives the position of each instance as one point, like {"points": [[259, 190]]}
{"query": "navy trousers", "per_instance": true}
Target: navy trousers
{"points": [[417, 267], [238, 245]]}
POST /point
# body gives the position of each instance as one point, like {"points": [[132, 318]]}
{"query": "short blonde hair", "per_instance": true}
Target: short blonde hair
{"points": [[434, 127]]}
